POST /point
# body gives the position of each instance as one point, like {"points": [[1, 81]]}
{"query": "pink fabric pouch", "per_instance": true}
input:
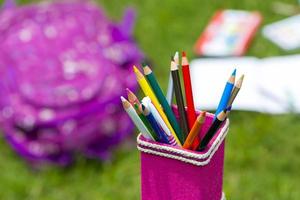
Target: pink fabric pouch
{"points": [[174, 173]]}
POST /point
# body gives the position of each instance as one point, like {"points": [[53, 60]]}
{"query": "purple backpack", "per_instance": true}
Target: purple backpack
{"points": [[63, 66]]}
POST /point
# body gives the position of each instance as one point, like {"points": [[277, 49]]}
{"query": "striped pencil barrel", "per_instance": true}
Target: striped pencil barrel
{"points": [[158, 130]]}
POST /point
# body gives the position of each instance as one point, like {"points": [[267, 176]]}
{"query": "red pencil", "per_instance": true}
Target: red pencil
{"points": [[191, 114]]}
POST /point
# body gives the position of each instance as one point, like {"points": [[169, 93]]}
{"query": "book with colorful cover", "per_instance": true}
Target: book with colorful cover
{"points": [[228, 33]]}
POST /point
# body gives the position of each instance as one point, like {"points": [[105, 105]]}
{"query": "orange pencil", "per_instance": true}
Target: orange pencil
{"points": [[188, 144], [191, 113]]}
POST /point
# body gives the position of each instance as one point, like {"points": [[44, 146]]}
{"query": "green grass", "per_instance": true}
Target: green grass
{"points": [[261, 151]]}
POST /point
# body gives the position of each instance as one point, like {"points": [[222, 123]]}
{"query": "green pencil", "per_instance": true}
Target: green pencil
{"points": [[139, 110], [162, 99]]}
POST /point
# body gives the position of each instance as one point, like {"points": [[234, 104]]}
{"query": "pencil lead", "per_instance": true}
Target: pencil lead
{"points": [[242, 77], [123, 99], [135, 69], [234, 72], [176, 55], [144, 64], [183, 54], [176, 58], [240, 81]]}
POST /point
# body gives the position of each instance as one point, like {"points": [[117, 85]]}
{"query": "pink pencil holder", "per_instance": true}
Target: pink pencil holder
{"points": [[174, 173]]}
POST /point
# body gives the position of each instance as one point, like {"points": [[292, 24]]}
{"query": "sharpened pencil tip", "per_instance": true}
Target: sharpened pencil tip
{"points": [[183, 54], [234, 72], [128, 92], [242, 77], [176, 56], [123, 99], [173, 66], [135, 69]]}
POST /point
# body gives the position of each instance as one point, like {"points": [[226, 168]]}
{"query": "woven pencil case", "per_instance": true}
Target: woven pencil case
{"points": [[174, 173]]}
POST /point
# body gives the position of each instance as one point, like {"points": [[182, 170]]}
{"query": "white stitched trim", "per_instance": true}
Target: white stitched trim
{"points": [[183, 152], [187, 160]]}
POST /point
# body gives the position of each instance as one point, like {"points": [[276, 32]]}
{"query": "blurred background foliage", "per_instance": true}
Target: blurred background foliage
{"points": [[262, 161]]}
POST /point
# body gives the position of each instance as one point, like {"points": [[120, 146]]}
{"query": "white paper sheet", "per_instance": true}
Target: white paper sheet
{"points": [[284, 33], [271, 85]]}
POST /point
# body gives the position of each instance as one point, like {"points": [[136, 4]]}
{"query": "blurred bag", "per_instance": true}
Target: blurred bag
{"points": [[62, 69]]}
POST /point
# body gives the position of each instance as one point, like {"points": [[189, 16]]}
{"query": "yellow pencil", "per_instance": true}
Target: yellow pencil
{"points": [[148, 92]]}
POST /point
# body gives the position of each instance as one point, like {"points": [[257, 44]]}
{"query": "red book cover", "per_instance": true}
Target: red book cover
{"points": [[228, 34]]}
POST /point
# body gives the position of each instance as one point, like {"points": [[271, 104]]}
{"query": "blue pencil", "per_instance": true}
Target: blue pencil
{"points": [[226, 94], [162, 137]]}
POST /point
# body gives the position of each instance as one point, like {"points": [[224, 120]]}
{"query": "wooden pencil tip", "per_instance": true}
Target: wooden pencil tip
{"points": [[242, 77], [201, 117], [222, 115], [130, 95], [240, 81], [145, 110], [135, 69], [173, 66]]}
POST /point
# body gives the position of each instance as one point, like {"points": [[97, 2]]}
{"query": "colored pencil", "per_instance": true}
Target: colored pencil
{"points": [[212, 130], [176, 58], [195, 131], [147, 102], [131, 97], [138, 109], [134, 101], [161, 98], [191, 113], [170, 90], [158, 130], [159, 120], [226, 94], [148, 92], [235, 90], [179, 99], [135, 118]]}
